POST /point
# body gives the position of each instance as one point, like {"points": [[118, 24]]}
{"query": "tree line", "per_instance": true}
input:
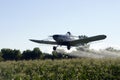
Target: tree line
{"points": [[36, 53]]}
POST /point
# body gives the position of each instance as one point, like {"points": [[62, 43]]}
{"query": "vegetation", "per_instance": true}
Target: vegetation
{"points": [[9, 54], [35, 65], [112, 49], [65, 69]]}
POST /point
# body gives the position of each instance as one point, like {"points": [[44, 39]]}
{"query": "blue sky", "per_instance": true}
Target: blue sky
{"points": [[21, 20]]}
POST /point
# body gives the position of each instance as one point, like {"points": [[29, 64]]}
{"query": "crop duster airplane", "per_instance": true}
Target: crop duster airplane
{"points": [[69, 40]]}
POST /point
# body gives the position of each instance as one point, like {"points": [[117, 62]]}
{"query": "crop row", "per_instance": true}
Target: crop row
{"points": [[64, 69]]}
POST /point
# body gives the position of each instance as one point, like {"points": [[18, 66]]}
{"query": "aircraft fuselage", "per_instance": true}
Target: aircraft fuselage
{"points": [[62, 39]]}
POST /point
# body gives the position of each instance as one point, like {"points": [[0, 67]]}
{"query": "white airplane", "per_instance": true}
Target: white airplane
{"points": [[69, 40]]}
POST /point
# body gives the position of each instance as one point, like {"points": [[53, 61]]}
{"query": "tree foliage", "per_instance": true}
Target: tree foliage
{"points": [[9, 54], [35, 54], [1, 59]]}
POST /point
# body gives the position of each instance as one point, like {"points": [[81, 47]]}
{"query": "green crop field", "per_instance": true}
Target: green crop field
{"points": [[63, 69]]}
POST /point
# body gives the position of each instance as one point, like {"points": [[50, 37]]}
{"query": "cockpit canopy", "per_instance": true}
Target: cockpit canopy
{"points": [[68, 33]]}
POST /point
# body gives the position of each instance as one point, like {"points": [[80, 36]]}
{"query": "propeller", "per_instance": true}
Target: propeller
{"points": [[50, 36]]}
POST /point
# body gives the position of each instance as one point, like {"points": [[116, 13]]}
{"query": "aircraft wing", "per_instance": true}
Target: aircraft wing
{"points": [[43, 42], [87, 40]]}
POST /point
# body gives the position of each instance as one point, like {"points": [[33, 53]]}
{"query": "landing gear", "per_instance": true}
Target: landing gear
{"points": [[68, 47], [54, 48]]}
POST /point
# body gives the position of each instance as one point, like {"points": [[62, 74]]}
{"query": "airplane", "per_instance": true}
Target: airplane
{"points": [[69, 40]]}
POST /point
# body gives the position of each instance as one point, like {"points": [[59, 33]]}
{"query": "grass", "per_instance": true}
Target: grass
{"points": [[65, 69]]}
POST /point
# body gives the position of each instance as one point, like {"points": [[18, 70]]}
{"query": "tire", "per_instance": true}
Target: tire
{"points": [[54, 48]]}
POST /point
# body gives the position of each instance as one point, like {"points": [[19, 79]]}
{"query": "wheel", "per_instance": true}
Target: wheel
{"points": [[54, 48], [68, 47]]}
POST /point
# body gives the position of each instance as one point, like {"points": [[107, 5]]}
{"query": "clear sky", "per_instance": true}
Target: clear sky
{"points": [[21, 20]]}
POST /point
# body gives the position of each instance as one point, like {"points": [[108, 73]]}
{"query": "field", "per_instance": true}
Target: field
{"points": [[64, 69]]}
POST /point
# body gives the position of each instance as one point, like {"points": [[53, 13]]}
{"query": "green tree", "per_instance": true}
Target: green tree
{"points": [[36, 53], [46, 56], [17, 54], [1, 59], [57, 55], [27, 54], [9, 54]]}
